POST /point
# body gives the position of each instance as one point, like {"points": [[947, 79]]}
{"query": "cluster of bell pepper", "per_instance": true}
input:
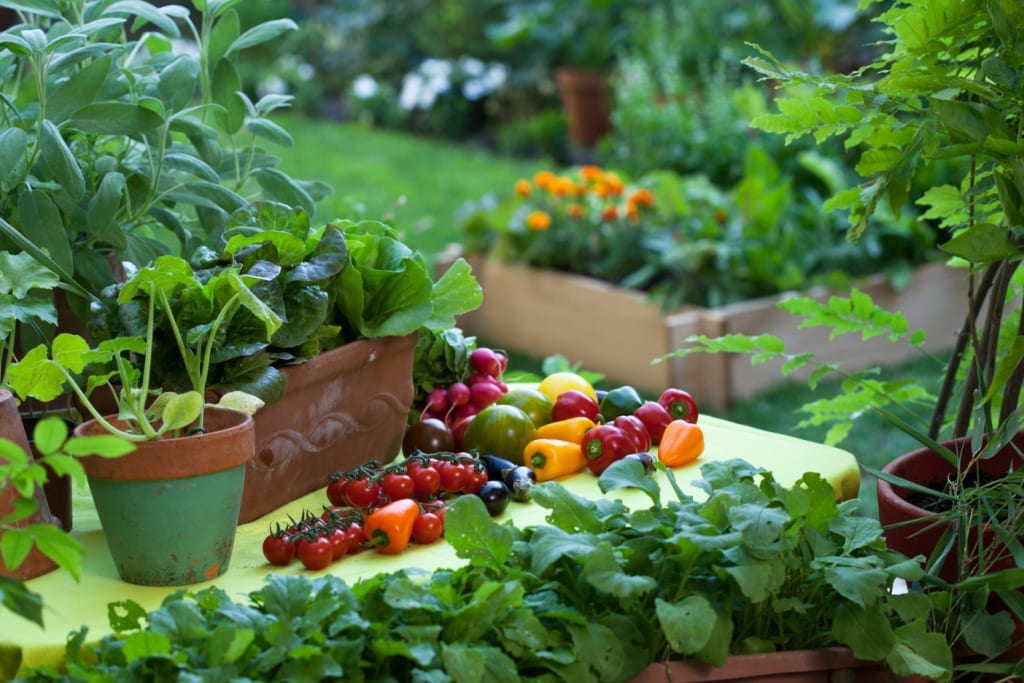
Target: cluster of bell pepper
{"points": [[592, 431]]}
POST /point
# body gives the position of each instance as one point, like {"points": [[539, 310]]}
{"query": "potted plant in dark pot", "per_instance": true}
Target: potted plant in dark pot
{"points": [[946, 91], [170, 508]]}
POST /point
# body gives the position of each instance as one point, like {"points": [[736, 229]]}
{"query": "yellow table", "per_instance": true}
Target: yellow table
{"points": [[70, 605]]}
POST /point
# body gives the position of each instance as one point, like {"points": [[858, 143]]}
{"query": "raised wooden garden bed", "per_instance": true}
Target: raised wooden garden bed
{"points": [[618, 332]]}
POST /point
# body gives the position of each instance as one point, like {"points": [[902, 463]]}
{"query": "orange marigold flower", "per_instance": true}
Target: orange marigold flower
{"points": [[544, 179], [602, 190], [613, 181], [591, 173], [632, 212], [523, 187], [610, 213], [563, 187], [576, 210], [581, 189], [538, 220], [721, 215], [642, 197]]}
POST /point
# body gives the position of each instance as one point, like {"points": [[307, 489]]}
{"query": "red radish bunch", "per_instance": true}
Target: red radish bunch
{"points": [[457, 404]]}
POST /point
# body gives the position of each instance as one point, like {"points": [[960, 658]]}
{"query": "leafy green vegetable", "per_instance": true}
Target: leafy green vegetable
{"points": [[595, 595]]}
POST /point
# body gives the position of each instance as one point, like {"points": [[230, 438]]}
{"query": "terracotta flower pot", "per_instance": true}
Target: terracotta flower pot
{"points": [[169, 509], [908, 527], [796, 666], [586, 99], [341, 409], [11, 428]]}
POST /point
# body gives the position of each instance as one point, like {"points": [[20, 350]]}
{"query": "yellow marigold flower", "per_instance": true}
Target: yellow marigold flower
{"points": [[576, 210], [591, 173], [544, 179], [610, 213], [601, 190], [563, 187], [523, 188], [538, 220], [642, 197], [613, 182]]}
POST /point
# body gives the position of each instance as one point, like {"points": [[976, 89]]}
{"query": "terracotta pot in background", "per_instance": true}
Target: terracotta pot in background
{"points": [[11, 428], [586, 99], [341, 409], [169, 509]]}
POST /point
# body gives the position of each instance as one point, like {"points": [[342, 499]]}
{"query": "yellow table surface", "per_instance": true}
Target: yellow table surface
{"points": [[70, 604]]}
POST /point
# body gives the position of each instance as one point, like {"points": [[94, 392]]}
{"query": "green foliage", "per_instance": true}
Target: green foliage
{"points": [[595, 595], [24, 475], [116, 144]]}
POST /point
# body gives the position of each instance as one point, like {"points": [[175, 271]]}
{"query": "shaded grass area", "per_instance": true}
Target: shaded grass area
{"points": [[417, 185], [414, 184]]}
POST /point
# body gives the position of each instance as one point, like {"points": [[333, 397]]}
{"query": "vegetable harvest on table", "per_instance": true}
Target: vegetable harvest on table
{"points": [[508, 439]]}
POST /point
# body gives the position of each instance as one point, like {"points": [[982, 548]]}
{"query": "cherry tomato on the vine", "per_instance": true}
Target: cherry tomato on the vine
{"points": [[354, 532], [475, 479], [397, 486], [362, 493], [339, 543], [427, 528], [426, 479], [336, 491], [315, 553], [278, 549], [453, 476]]}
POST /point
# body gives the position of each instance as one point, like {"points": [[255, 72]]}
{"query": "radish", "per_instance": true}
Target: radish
{"points": [[483, 394], [485, 361], [458, 394]]}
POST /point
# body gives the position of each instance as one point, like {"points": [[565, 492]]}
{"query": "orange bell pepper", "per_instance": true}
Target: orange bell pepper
{"points": [[682, 443], [553, 458], [571, 429], [389, 528]]}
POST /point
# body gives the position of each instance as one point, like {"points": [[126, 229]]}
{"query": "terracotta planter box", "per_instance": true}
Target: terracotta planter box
{"points": [[798, 666], [340, 409], [619, 332]]}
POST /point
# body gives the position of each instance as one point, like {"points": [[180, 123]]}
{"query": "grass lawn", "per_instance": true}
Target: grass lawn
{"points": [[414, 184], [417, 184]]}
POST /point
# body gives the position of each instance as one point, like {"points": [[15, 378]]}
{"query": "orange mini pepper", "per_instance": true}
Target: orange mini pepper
{"points": [[682, 443], [389, 528], [553, 458], [569, 429]]}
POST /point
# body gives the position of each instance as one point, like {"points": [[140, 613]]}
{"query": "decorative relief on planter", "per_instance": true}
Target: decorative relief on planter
{"points": [[340, 409]]}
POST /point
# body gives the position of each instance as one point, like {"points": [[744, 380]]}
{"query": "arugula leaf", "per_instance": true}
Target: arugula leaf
{"points": [[474, 535]]}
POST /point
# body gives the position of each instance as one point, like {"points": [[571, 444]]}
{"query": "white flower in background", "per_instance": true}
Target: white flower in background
{"points": [[273, 85], [365, 86], [436, 69], [495, 76], [305, 71], [471, 66]]}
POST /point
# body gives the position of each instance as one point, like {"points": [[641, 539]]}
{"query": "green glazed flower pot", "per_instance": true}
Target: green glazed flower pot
{"points": [[169, 509]]}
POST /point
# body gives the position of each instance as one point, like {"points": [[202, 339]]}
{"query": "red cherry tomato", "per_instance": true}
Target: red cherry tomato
{"points": [[475, 479], [361, 493], [453, 477], [397, 486], [336, 491], [426, 479], [427, 528], [354, 532], [339, 543], [315, 554], [278, 549]]}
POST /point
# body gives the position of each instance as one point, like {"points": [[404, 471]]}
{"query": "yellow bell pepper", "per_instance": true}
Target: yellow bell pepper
{"points": [[553, 458], [571, 429]]}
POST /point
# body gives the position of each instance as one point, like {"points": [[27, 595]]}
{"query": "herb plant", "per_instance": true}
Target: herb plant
{"points": [[595, 596]]}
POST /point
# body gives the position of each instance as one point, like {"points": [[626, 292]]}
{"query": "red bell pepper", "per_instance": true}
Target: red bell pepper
{"points": [[605, 444], [655, 418], [680, 405], [574, 403], [636, 430]]}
